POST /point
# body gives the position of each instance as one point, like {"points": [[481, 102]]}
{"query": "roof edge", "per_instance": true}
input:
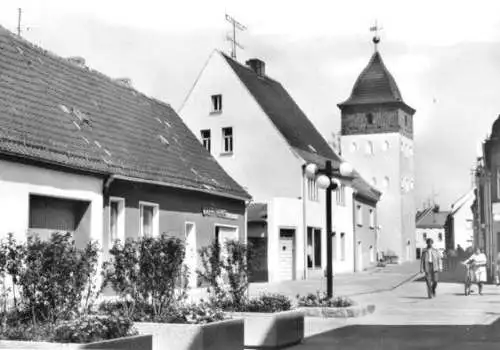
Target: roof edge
{"points": [[166, 184]]}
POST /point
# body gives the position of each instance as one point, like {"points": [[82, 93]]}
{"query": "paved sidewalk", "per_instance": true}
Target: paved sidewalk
{"points": [[367, 282], [406, 319]]}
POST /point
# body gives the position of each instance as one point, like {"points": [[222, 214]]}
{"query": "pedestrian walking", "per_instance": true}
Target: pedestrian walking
{"points": [[431, 264], [460, 252], [477, 262], [452, 258]]}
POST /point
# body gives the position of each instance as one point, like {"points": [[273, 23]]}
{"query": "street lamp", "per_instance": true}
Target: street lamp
{"points": [[325, 180]]}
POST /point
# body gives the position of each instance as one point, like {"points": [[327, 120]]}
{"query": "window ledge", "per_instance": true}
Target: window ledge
{"points": [[215, 112], [360, 225], [226, 154]]}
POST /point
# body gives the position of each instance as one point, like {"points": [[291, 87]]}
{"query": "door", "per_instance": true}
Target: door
{"points": [[190, 259], [286, 255], [359, 257]]}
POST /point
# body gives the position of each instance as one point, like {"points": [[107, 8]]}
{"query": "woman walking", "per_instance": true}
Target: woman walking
{"points": [[478, 262]]}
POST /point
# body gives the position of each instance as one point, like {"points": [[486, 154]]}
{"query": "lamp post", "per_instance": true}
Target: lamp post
{"points": [[325, 180]]}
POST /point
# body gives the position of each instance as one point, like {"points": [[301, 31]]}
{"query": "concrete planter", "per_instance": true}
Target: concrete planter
{"points": [[126, 343], [272, 330], [223, 335], [338, 312]]}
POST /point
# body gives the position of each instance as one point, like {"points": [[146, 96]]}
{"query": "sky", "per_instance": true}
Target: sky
{"points": [[443, 54]]}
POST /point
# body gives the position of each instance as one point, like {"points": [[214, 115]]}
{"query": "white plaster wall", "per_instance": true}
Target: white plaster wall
{"points": [[395, 210], [284, 213], [343, 220], [262, 160], [463, 225], [431, 233], [18, 181]]}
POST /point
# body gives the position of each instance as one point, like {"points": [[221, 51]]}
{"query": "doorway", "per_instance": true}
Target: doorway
{"points": [[286, 265]]}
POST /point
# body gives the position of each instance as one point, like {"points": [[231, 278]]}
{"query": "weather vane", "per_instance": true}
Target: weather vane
{"points": [[376, 37]]}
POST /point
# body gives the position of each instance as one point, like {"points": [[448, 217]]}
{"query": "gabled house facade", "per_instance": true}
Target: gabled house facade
{"points": [[431, 223], [84, 153], [261, 137], [459, 224]]}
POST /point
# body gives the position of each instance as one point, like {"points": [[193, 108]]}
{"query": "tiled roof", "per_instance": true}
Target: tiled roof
{"points": [[54, 111], [292, 122], [433, 219], [375, 84]]}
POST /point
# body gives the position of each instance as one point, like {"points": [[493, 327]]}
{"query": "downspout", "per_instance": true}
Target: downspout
{"points": [[107, 184], [304, 223]]}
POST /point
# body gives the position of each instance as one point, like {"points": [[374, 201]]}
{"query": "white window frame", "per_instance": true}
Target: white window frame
{"points": [[372, 217], [206, 141], [312, 190], [120, 222], [156, 218], [224, 150], [359, 215], [340, 196], [216, 103]]}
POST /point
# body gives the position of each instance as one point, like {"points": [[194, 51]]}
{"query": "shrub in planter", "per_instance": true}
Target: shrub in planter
{"points": [[265, 303], [321, 300], [92, 328], [145, 273]]}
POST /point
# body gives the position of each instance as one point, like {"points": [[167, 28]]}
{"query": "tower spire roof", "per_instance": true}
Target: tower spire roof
{"points": [[374, 85]]}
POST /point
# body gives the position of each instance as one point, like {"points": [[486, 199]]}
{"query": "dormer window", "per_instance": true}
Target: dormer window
{"points": [[369, 119], [216, 103]]}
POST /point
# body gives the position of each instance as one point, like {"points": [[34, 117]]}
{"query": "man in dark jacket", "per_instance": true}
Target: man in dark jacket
{"points": [[431, 264]]}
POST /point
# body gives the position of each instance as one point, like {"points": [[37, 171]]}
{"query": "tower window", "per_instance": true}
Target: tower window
{"points": [[354, 147], [386, 145], [369, 147], [369, 119], [386, 182]]}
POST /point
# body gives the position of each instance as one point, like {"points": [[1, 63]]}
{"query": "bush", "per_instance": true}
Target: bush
{"points": [[321, 300], [93, 328], [268, 303], [146, 272], [226, 272], [56, 278]]}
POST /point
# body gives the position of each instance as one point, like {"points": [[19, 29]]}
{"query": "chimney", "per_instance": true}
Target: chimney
{"points": [[77, 61], [124, 81], [257, 66]]}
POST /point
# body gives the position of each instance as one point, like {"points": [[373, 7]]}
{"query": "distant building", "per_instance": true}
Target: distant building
{"points": [[377, 138], [431, 223], [86, 154], [259, 134], [459, 225]]}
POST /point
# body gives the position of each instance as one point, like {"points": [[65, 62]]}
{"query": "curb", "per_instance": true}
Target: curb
{"points": [[407, 280], [338, 312]]}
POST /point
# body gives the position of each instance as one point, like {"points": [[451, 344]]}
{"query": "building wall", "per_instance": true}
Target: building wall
{"points": [[365, 236], [262, 160], [176, 208], [463, 225], [430, 233], [18, 181], [395, 210]]}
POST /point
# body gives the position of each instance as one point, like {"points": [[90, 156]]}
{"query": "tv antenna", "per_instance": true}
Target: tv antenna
{"points": [[232, 37], [376, 37]]}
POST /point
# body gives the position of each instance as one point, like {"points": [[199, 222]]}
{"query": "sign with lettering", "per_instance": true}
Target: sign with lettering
{"points": [[219, 213]]}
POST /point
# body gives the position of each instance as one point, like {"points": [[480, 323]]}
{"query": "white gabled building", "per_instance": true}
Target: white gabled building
{"points": [[261, 137]]}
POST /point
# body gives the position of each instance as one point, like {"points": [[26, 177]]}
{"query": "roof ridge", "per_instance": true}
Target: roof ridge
{"points": [[66, 62]]}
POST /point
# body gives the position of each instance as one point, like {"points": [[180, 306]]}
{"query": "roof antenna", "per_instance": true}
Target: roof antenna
{"points": [[232, 37], [19, 12], [376, 37]]}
